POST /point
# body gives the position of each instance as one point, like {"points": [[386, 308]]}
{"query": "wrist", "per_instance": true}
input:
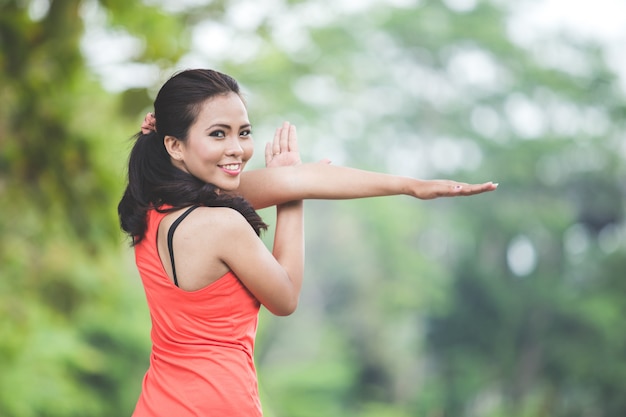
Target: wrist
{"points": [[296, 204], [414, 187]]}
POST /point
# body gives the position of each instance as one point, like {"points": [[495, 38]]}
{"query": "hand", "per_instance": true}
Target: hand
{"points": [[284, 149], [428, 190]]}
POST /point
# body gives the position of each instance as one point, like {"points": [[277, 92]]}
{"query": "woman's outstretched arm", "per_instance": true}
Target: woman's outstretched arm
{"points": [[270, 186], [287, 179]]}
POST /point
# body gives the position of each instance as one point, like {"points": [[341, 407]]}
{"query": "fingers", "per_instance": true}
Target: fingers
{"points": [[285, 144], [268, 153], [447, 188], [284, 137], [292, 140], [471, 189], [281, 139], [276, 142], [481, 188]]}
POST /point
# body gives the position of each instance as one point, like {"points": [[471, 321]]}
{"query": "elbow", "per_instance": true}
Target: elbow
{"points": [[285, 309]]}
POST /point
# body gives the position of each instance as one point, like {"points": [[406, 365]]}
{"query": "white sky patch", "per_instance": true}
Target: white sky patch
{"points": [[451, 155], [487, 122], [526, 117], [351, 6], [404, 3], [217, 42], [211, 38], [476, 68], [109, 53], [521, 256], [568, 119], [602, 21], [530, 23], [432, 86], [289, 34], [249, 14], [347, 124], [461, 6], [110, 47], [317, 90], [176, 6], [567, 58], [411, 161], [38, 9]]}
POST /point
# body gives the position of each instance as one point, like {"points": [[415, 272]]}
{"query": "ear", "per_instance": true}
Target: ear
{"points": [[173, 147]]}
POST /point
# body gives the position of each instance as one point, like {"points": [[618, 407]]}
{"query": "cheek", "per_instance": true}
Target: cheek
{"points": [[248, 150]]}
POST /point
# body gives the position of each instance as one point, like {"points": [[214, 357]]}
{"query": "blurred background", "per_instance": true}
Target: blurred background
{"points": [[508, 304]]}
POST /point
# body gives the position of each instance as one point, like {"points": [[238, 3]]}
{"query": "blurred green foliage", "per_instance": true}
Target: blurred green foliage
{"points": [[507, 304]]}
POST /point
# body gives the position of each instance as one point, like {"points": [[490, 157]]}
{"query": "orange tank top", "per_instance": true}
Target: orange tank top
{"points": [[201, 362]]}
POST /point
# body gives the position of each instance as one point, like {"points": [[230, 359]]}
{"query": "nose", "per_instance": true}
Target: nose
{"points": [[234, 147]]}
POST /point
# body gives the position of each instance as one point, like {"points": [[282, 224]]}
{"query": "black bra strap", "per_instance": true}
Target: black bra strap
{"points": [[170, 235]]}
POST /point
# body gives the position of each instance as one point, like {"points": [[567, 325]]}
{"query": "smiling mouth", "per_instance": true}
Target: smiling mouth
{"points": [[231, 168]]}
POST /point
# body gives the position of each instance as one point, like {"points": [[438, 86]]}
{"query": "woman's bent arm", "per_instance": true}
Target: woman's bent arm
{"points": [[289, 247]]}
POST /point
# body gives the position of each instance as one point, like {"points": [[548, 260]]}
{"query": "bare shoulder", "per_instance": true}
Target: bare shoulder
{"points": [[205, 222], [200, 242], [219, 220]]}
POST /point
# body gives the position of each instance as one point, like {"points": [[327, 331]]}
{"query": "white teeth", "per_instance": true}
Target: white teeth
{"points": [[232, 167]]}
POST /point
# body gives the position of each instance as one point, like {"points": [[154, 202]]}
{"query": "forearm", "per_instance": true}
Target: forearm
{"points": [[289, 242], [270, 186]]}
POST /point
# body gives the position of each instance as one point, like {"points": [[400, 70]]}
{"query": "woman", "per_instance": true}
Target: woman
{"points": [[206, 282]]}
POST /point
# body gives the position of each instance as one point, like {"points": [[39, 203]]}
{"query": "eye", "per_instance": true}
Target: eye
{"points": [[218, 134], [245, 133]]}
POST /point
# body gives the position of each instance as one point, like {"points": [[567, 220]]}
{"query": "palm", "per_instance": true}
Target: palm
{"points": [[283, 151], [284, 159]]}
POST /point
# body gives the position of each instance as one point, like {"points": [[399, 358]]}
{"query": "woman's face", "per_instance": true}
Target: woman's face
{"points": [[219, 143]]}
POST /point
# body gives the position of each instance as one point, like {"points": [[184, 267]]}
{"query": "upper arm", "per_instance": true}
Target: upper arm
{"points": [[251, 261]]}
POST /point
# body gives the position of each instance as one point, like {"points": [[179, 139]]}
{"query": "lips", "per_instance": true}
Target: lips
{"points": [[231, 169]]}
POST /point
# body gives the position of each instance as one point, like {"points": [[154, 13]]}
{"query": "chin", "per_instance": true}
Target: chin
{"points": [[228, 187]]}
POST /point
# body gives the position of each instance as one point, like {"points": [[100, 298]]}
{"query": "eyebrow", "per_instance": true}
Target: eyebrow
{"points": [[225, 126]]}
